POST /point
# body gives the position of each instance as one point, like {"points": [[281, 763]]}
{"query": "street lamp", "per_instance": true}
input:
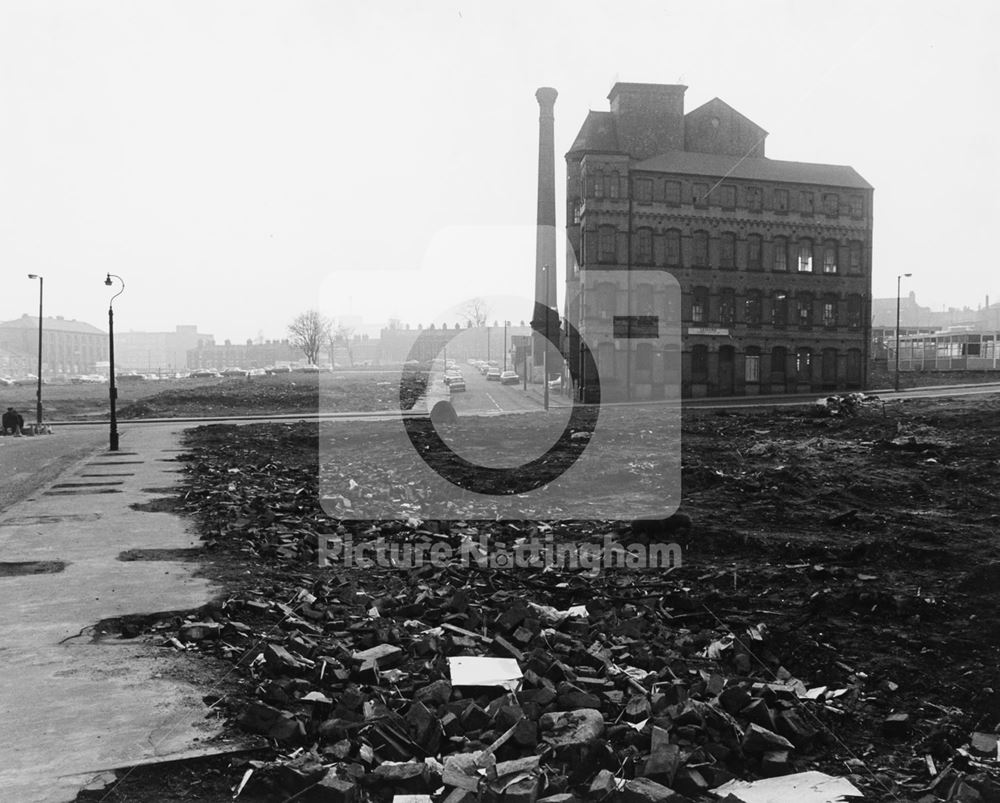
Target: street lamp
{"points": [[38, 394], [112, 390], [505, 325], [899, 282]]}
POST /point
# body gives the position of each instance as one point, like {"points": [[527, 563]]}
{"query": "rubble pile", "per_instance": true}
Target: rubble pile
{"points": [[764, 663]]}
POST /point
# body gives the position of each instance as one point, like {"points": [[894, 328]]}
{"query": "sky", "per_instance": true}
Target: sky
{"points": [[236, 163]]}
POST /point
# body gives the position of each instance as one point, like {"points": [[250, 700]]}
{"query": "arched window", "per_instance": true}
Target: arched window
{"points": [[804, 309], [854, 257], [699, 305], [805, 256], [613, 185], [803, 364], [598, 184], [699, 363], [608, 236], [755, 252], [644, 247], [751, 365], [727, 306], [779, 308], [779, 363], [753, 312], [701, 249], [673, 247], [830, 257], [854, 311], [606, 299], [780, 262], [727, 251], [830, 311]]}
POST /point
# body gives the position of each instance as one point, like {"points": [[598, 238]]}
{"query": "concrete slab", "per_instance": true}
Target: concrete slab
{"points": [[70, 707]]}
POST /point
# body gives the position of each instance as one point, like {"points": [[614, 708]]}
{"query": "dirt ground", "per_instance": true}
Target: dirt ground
{"points": [[861, 553]]}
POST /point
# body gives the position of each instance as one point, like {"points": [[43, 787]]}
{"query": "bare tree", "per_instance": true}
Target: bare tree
{"points": [[476, 312], [309, 331]]}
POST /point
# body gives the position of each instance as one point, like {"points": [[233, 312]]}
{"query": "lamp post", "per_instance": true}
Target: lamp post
{"points": [[38, 393], [112, 389], [545, 343], [505, 325], [899, 283]]}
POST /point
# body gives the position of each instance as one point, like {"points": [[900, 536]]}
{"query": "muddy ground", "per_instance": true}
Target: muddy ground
{"points": [[859, 553]]}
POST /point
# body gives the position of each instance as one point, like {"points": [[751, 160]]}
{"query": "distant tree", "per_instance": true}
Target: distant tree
{"points": [[308, 332], [476, 312]]}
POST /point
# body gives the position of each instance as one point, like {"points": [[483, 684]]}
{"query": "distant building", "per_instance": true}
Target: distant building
{"points": [[913, 315], [68, 346], [773, 258], [396, 345], [154, 352], [243, 355]]}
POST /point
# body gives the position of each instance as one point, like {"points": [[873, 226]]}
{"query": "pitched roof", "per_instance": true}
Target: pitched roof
{"points": [[754, 168], [54, 324], [597, 134], [713, 106]]}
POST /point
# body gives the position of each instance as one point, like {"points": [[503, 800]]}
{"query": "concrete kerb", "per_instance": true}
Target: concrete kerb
{"points": [[75, 705]]}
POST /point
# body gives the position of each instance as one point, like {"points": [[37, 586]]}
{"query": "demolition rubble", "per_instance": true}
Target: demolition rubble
{"points": [[821, 639]]}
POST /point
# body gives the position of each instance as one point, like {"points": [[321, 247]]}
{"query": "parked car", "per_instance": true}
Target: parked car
{"points": [[235, 372], [204, 373], [306, 369], [278, 369], [509, 378], [456, 385], [453, 376], [130, 376], [493, 374]]}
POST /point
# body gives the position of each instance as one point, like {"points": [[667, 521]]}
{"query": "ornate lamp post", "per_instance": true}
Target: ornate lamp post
{"points": [[112, 389]]}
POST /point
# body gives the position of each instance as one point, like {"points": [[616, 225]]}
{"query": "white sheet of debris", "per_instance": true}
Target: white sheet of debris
{"points": [[802, 787], [477, 671]]}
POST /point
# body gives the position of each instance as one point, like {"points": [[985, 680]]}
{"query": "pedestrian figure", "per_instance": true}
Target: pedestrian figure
{"points": [[12, 421]]}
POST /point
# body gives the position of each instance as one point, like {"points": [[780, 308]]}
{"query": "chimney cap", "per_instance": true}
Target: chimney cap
{"points": [[546, 94]]}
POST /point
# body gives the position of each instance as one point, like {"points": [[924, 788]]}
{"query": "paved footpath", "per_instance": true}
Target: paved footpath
{"points": [[72, 708]]}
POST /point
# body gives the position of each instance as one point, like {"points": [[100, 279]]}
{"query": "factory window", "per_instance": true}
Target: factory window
{"points": [[781, 200], [857, 206], [806, 201], [727, 251], [751, 363], [644, 189], [780, 254], [752, 308], [805, 256], [643, 299], [673, 247], [606, 298], [755, 199], [699, 363], [803, 364], [699, 305], [644, 360], [672, 192], [779, 363], [612, 185], [829, 312], [727, 196], [644, 251], [598, 184], [701, 249], [779, 308], [754, 252], [700, 195], [854, 257], [727, 306], [829, 257], [854, 311], [804, 311], [831, 203], [608, 245]]}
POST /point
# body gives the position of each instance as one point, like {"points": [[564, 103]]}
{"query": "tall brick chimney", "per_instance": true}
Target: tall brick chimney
{"points": [[546, 301], [649, 118]]}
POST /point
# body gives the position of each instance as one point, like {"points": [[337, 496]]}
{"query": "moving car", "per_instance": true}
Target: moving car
{"points": [[453, 376], [493, 375], [509, 378], [456, 385]]}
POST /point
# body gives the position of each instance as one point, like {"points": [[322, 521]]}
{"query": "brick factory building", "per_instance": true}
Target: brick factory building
{"points": [[772, 258]]}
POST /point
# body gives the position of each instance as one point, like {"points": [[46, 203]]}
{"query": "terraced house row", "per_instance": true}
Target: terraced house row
{"points": [[698, 266]]}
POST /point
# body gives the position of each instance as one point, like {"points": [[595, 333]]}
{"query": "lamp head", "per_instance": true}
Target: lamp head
{"points": [[907, 275], [107, 281], [33, 276]]}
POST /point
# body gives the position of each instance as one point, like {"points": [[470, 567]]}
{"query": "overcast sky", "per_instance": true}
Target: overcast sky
{"points": [[238, 162]]}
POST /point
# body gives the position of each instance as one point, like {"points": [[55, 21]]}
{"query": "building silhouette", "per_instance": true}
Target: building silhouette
{"points": [[772, 258]]}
